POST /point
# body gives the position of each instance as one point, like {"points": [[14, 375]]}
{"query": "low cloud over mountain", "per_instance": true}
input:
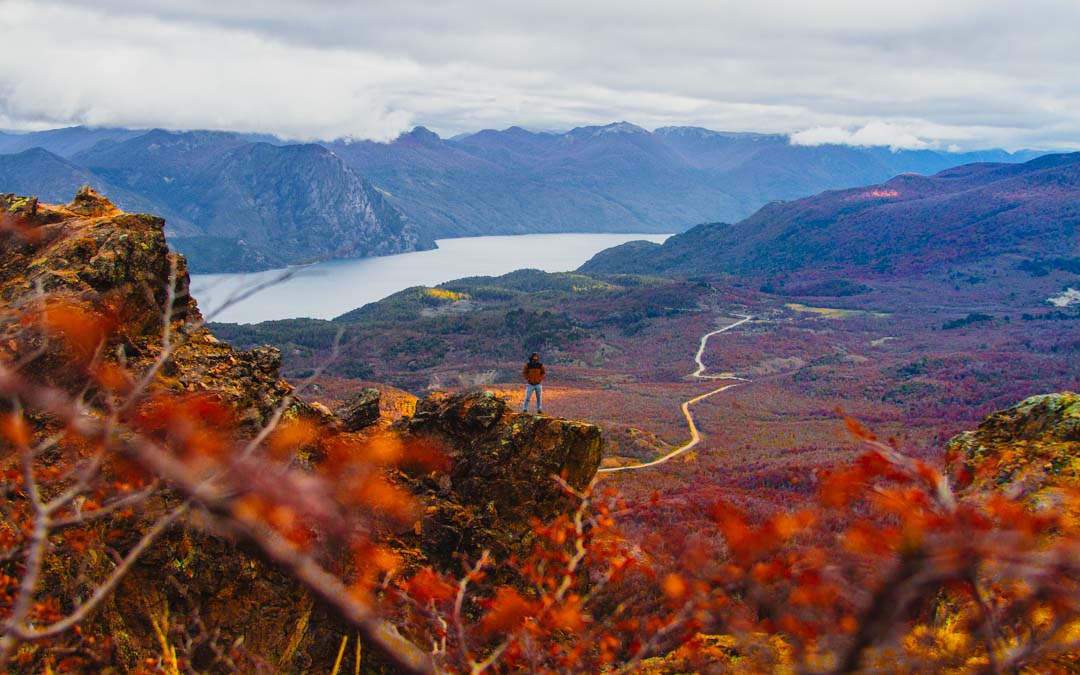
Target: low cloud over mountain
{"points": [[969, 73]]}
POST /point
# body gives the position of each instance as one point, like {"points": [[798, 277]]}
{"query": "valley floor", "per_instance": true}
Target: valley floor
{"points": [[916, 361]]}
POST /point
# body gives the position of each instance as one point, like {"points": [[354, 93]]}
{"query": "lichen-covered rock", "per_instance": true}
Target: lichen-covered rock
{"points": [[360, 411], [191, 577], [751, 653], [500, 471], [267, 358], [118, 265], [91, 253], [1026, 451]]}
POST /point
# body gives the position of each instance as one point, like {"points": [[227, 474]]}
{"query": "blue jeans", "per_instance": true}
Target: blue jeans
{"points": [[531, 389]]}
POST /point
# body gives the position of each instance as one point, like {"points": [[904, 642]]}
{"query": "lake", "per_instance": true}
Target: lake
{"points": [[328, 289]]}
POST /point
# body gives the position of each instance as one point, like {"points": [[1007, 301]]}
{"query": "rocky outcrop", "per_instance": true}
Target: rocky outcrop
{"points": [[500, 471], [360, 411], [1027, 451], [91, 253]]}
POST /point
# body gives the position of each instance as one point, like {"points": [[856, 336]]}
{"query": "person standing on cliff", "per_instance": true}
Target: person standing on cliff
{"points": [[534, 373]]}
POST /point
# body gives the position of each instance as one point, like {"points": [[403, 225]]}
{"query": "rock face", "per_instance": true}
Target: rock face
{"points": [[92, 253], [360, 411], [1028, 450], [500, 471], [88, 251]]}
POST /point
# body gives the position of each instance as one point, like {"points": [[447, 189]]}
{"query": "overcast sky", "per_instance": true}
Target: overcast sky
{"points": [[911, 73]]}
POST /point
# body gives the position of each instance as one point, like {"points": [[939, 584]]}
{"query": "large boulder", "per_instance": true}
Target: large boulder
{"points": [[360, 411], [1028, 451], [500, 471], [89, 252]]}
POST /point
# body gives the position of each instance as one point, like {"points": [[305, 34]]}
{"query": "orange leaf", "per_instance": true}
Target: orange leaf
{"points": [[567, 616], [20, 226], [291, 436], [508, 610], [787, 525], [855, 429], [839, 489], [385, 449], [427, 586], [380, 495], [113, 377], [730, 519], [384, 559], [673, 586], [16, 430], [422, 455], [340, 451], [81, 327], [249, 508], [866, 539]]}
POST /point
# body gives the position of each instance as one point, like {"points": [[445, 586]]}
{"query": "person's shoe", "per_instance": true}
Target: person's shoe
{"points": [[539, 412]]}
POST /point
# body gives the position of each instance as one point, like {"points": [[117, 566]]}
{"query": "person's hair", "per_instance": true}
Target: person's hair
{"points": [[534, 355]]}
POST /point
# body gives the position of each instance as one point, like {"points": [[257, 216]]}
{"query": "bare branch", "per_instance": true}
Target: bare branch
{"points": [[459, 604], [105, 587], [106, 509], [36, 546]]}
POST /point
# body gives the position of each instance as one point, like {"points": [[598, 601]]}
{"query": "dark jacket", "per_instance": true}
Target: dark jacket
{"points": [[533, 372]]}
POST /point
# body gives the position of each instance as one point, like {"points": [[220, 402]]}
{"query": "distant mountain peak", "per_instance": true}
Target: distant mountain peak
{"points": [[521, 131], [423, 134], [37, 152], [608, 129], [702, 132]]}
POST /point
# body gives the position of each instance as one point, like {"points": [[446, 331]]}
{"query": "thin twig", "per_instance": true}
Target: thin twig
{"points": [[127, 500], [104, 588], [459, 604], [36, 545]]}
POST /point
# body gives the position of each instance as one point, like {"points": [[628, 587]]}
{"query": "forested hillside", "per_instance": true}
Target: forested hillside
{"points": [[972, 213]]}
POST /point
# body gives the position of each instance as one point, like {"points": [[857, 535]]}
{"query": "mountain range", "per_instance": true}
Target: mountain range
{"points": [[231, 204], [910, 223], [614, 178], [237, 202]]}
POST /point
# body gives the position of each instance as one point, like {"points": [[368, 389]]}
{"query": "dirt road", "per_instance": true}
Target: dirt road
{"points": [[695, 436]]}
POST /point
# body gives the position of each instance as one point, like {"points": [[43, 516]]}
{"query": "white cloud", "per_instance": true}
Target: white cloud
{"points": [[822, 136], [873, 134], [923, 73], [62, 65]]}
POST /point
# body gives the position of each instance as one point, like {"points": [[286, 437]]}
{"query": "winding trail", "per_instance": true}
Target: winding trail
{"points": [[695, 436]]}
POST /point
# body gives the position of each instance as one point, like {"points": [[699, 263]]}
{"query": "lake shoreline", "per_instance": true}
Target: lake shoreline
{"points": [[328, 289]]}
